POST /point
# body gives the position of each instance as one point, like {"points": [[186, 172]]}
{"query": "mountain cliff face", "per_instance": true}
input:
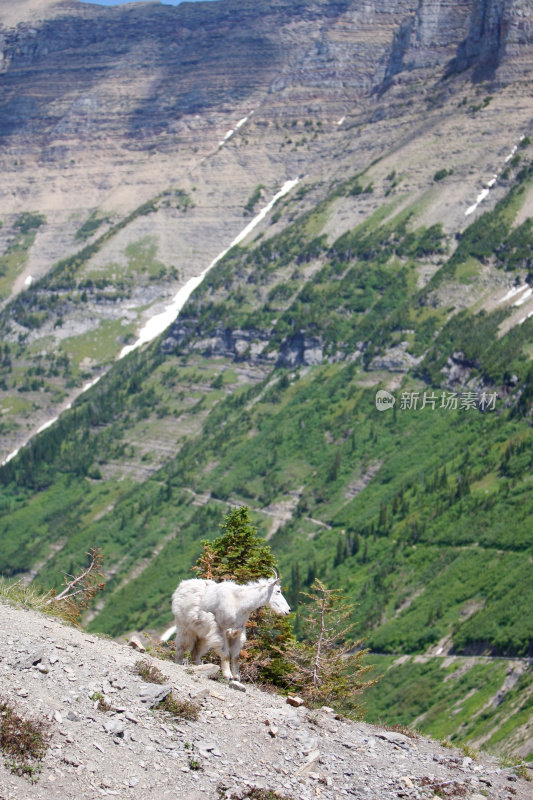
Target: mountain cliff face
{"points": [[77, 71], [138, 143], [497, 31]]}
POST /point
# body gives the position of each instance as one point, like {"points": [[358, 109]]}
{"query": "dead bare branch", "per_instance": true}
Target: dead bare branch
{"points": [[84, 586]]}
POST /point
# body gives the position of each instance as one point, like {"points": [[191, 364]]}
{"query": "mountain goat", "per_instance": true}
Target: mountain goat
{"points": [[213, 616]]}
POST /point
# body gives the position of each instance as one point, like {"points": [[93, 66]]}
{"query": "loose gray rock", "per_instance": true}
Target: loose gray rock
{"points": [[205, 748], [115, 727], [309, 744], [207, 670], [152, 693], [395, 738], [311, 760], [199, 694], [31, 658], [117, 683]]}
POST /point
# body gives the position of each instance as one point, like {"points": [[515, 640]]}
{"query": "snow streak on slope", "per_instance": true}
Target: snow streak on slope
{"points": [[232, 131], [50, 421], [512, 292], [526, 295], [484, 193], [160, 322]]}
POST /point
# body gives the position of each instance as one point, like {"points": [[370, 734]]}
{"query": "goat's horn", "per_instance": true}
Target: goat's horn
{"points": [[275, 573]]}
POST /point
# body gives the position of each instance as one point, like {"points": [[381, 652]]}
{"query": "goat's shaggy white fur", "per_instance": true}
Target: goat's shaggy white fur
{"points": [[213, 616]]}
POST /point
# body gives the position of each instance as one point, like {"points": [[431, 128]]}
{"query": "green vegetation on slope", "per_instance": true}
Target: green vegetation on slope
{"points": [[14, 258], [454, 699], [421, 513]]}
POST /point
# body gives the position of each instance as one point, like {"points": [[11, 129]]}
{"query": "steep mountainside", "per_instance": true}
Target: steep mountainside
{"points": [[357, 370], [133, 138]]}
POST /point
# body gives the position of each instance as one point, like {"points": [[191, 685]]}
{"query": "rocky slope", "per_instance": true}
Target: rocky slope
{"points": [[49, 672]]}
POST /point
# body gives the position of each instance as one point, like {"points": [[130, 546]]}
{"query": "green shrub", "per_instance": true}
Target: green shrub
{"points": [[149, 672], [27, 222], [90, 226], [441, 174], [180, 709], [23, 741], [251, 793], [253, 199]]}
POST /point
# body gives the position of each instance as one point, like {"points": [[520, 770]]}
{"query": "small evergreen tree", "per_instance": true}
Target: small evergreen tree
{"points": [[240, 554], [341, 551], [334, 468], [327, 668], [311, 573], [296, 586]]}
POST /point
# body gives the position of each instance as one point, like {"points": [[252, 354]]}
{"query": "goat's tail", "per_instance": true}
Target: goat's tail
{"points": [[167, 634]]}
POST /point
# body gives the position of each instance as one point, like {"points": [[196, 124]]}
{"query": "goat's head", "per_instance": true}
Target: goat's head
{"points": [[276, 600]]}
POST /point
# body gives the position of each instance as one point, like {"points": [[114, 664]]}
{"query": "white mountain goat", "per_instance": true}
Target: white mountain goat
{"points": [[213, 616]]}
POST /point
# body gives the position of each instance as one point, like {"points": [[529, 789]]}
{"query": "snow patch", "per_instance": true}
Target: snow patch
{"points": [[230, 133], [512, 292], [51, 421], [526, 317], [88, 386], [10, 456], [490, 184], [47, 425], [511, 154], [226, 137], [342, 119], [160, 322], [525, 296], [479, 199]]}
